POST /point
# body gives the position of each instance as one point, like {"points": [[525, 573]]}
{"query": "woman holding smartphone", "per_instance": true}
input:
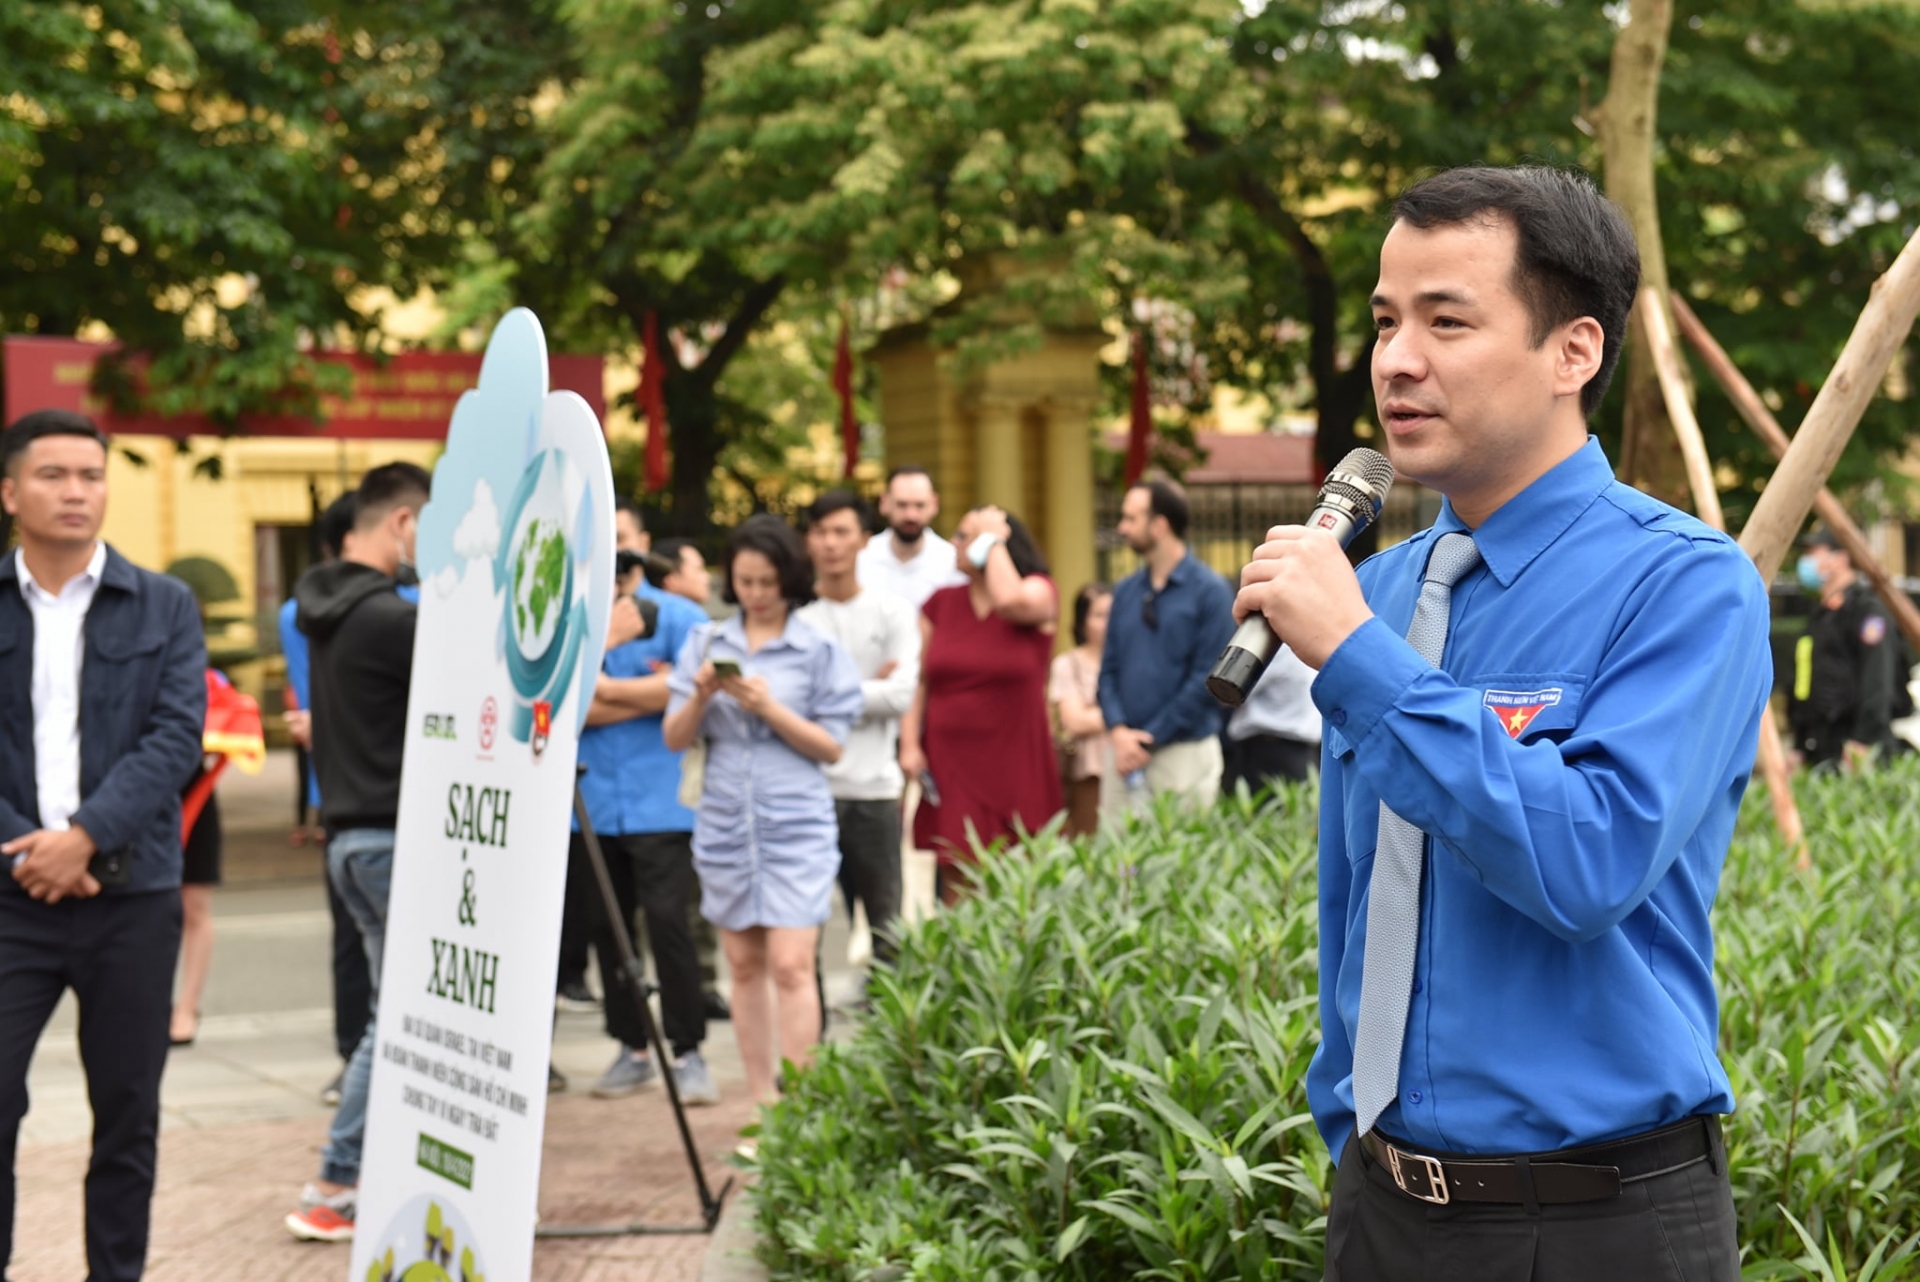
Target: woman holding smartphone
{"points": [[774, 700]]}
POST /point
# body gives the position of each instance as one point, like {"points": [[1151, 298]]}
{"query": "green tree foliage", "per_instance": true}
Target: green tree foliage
{"points": [[1058, 160], [306, 149]]}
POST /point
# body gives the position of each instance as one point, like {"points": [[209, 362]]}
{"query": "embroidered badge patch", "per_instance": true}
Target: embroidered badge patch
{"points": [[1516, 709], [1873, 629]]}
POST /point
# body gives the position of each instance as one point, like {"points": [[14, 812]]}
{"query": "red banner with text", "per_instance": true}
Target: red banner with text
{"points": [[405, 397]]}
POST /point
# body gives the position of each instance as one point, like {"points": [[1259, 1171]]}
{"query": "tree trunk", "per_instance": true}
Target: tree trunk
{"points": [[1649, 453]]}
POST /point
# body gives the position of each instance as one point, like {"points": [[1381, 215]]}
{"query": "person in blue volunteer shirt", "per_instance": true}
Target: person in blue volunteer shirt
{"points": [[631, 788], [1516, 966]]}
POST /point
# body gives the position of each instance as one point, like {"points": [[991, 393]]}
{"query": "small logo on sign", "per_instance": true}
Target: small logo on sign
{"points": [[439, 725], [489, 723], [542, 726], [1516, 709]]}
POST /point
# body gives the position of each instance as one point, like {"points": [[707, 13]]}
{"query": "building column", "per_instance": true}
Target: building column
{"points": [[1070, 516], [999, 472]]}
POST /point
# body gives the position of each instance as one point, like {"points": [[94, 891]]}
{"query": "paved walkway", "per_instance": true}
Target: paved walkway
{"points": [[242, 1124]]}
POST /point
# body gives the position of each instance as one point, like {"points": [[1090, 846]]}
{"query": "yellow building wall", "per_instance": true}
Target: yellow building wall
{"points": [[1018, 433], [161, 509]]}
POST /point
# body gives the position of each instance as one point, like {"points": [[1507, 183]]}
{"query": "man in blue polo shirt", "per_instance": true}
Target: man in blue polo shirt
{"points": [[1539, 718], [631, 788], [1170, 619]]}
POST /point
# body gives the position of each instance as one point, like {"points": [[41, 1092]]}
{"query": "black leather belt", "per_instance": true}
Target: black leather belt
{"points": [[1592, 1173]]}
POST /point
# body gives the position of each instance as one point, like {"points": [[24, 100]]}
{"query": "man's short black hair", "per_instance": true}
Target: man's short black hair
{"points": [[632, 509], [774, 539], [1083, 606], [1164, 498], [908, 469], [337, 522], [29, 428], [668, 557], [1576, 256], [839, 501], [389, 486]]}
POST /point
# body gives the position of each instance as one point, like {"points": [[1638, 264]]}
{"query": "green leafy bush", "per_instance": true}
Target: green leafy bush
{"points": [[1096, 1069]]}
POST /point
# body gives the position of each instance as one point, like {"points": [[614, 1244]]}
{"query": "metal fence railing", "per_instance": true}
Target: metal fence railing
{"points": [[1230, 520]]}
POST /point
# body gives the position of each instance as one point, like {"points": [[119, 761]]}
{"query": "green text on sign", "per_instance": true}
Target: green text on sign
{"points": [[445, 1161]]}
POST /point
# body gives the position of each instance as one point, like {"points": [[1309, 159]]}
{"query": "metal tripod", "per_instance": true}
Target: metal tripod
{"points": [[633, 974]]}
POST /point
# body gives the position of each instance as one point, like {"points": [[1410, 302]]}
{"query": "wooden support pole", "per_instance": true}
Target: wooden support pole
{"points": [[1673, 387], [1836, 411], [1828, 508], [1706, 502]]}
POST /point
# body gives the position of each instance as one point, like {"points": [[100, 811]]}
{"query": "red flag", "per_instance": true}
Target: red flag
{"points": [[1141, 427], [843, 384], [653, 377]]}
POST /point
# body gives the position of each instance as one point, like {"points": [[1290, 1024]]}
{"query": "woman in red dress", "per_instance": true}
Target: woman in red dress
{"points": [[977, 736]]}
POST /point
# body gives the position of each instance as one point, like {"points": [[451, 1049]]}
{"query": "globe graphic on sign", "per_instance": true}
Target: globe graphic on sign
{"points": [[544, 619], [539, 580]]}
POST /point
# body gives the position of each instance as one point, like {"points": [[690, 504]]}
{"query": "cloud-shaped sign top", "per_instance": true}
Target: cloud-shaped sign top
{"points": [[506, 404], [477, 537]]}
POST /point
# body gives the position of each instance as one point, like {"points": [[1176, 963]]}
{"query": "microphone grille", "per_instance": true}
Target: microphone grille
{"points": [[1372, 467]]}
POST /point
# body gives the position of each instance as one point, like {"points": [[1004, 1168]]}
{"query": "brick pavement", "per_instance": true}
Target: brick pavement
{"points": [[224, 1190]]}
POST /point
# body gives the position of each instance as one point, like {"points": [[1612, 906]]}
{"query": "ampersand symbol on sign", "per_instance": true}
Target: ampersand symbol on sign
{"points": [[466, 898]]}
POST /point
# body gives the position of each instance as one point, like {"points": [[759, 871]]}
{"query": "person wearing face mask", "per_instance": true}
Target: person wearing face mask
{"points": [[361, 636], [1849, 681]]}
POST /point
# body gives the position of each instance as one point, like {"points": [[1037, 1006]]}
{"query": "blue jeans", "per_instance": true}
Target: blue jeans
{"points": [[360, 862]]}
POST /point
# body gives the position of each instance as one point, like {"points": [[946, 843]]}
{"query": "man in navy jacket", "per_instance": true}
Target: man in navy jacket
{"points": [[102, 703]]}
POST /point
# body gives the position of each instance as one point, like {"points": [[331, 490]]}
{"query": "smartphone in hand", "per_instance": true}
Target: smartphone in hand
{"points": [[725, 668]]}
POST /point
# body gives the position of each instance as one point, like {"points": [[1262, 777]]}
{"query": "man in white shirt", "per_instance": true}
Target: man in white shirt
{"points": [[882, 633], [910, 561], [1275, 734], [103, 699]]}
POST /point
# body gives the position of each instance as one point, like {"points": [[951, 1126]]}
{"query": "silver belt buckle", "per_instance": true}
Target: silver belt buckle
{"points": [[1399, 1163]]}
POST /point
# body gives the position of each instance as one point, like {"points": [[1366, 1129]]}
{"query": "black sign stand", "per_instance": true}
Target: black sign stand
{"points": [[633, 973]]}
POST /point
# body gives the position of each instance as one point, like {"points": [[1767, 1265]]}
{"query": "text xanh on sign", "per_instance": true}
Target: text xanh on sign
{"points": [[461, 974]]}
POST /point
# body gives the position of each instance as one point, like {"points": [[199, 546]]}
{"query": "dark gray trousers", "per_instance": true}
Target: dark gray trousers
{"points": [[1677, 1227], [870, 868]]}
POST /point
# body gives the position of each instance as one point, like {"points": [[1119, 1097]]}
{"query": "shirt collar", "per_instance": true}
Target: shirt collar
{"points": [[795, 636], [1529, 523], [1182, 570], [96, 567]]}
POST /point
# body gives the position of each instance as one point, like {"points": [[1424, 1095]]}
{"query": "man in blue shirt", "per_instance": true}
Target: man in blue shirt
{"points": [[631, 787], [1170, 619], [1560, 789]]}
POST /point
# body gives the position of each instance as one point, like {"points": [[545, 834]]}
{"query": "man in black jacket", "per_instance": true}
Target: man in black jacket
{"points": [[102, 702], [361, 633]]}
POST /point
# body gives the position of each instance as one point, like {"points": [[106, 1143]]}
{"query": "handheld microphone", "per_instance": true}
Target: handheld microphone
{"points": [[1350, 501]]}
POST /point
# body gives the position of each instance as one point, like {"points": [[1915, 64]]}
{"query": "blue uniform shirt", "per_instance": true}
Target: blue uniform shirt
{"points": [[1155, 678], [632, 784], [1578, 760]]}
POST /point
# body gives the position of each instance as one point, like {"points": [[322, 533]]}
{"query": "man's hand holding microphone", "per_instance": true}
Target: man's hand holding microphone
{"points": [[1301, 582], [1299, 585]]}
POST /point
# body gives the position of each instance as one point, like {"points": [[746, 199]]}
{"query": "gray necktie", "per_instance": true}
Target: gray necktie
{"points": [[1393, 897]]}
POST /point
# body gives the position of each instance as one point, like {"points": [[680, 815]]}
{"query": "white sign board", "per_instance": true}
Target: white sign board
{"points": [[516, 568]]}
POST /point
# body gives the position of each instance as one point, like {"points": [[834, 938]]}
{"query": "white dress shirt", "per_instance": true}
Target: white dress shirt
{"points": [[915, 579], [59, 638], [876, 628]]}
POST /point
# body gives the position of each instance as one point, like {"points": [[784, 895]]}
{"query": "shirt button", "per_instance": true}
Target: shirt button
{"points": [[1419, 984], [1338, 716], [1413, 1097]]}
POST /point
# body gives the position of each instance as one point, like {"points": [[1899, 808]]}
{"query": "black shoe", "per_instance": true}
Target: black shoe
{"points": [[330, 1093], [556, 1080], [576, 999], [717, 1007]]}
